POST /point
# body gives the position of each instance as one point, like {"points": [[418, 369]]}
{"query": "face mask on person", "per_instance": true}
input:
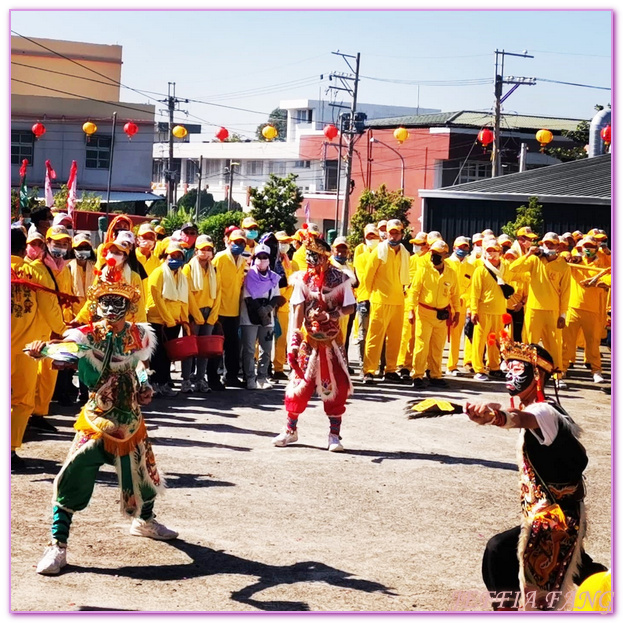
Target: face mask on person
{"points": [[590, 252], [33, 252], [251, 234], [189, 239], [477, 251], [57, 252], [117, 258], [547, 252], [461, 253], [372, 242], [174, 263], [284, 247], [312, 258], [237, 248], [417, 248], [112, 307], [492, 256], [204, 254], [26, 221], [393, 243], [82, 254], [436, 259], [262, 264], [519, 378], [146, 244], [340, 259]]}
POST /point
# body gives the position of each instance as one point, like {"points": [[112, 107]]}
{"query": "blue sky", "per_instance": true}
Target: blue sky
{"points": [[253, 58]]}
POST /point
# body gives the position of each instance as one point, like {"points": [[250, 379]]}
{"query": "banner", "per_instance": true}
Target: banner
{"points": [[23, 190], [50, 175], [72, 185]]}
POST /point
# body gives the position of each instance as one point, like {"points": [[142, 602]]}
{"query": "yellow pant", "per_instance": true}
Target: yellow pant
{"points": [[407, 344], [23, 385], [281, 344], [589, 323], [540, 325], [46, 382], [430, 338], [385, 328], [455, 343], [487, 323]]}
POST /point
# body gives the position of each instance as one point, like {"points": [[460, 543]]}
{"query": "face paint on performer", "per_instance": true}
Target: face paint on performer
{"points": [[112, 307], [312, 258], [519, 377]]}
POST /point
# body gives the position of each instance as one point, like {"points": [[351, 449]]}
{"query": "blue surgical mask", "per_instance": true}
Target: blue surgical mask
{"points": [[393, 243], [26, 221], [341, 260], [175, 264], [237, 249], [251, 234], [461, 253]]}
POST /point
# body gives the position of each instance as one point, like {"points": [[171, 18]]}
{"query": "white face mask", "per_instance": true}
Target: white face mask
{"points": [[416, 248], [146, 243], [477, 251], [117, 257], [284, 247], [372, 242]]}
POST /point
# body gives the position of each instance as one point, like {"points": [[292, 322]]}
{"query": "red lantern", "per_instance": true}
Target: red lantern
{"points": [[485, 137], [222, 134], [606, 135], [330, 131], [39, 130], [130, 129]]}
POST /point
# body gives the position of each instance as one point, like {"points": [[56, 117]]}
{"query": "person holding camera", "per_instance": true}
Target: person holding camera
{"points": [[548, 294], [435, 308]]}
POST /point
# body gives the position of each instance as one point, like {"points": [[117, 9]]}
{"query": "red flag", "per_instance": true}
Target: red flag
{"points": [[72, 185], [50, 175]]}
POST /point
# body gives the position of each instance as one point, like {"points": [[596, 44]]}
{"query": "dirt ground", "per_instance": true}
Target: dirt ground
{"points": [[398, 522]]}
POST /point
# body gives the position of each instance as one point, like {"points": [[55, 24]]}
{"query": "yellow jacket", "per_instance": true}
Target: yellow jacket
{"points": [[464, 271], [203, 297], [550, 282], [290, 267], [382, 279], [433, 288], [153, 261], [165, 311], [360, 265], [230, 273], [34, 313], [299, 256], [581, 297], [486, 295]]}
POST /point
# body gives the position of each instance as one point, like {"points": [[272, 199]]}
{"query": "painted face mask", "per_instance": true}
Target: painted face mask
{"points": [[436, 259], [82, 254], [284, 247], [262, 264], [33, 252], [116, 257], [57, 252], [312, 258], [372, 242], [251, 234], [174, 263], [519, 376], [112, 307]]}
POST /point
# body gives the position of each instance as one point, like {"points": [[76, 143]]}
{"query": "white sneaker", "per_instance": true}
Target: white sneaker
{"points": [[151, 529], [54, 559], [597, 378], [167, 392], [334, 443], [561, 384], [187, 387], [203, 387], [285, 438], [265, 384], [481, 377], [454, 372], [252, 384]]}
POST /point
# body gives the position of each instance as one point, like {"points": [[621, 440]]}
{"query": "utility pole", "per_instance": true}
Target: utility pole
{"points": [[499, 82], [198, 201], [112, 154], [169, 175], [351, 125], [230, 171]]}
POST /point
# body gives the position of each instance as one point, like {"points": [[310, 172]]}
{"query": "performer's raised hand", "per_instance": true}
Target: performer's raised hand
{"points": [[481, 412], [34, 349]]}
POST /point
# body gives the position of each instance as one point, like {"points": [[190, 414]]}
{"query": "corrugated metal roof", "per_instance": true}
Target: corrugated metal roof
{"points": [[475, 119], [588, 179]]}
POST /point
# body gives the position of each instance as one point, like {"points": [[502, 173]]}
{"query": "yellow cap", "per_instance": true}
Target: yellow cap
{"points": [[57, 232], [526, 231], [439, 245], [203, 241], [248, 222]]}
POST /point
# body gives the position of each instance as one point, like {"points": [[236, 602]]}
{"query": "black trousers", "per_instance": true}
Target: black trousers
{"points": [[160, 362], [518, 319], [500, 565], [231, 345]]}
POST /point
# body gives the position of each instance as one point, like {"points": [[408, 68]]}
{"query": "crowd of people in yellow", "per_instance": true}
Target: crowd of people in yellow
{"points": [[554, 290]]}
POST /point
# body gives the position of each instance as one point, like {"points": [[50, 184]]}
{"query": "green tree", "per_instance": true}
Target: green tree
{"points": [[33, 202], [158, 208], [215, 226], [220, 207], [580, 136], [378, 205], [275, 205], [89, 202], [527, 216], [176, 219], [278, 118], [189, 201]]}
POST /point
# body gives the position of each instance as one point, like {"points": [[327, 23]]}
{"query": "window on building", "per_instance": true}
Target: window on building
{"points": [[213, 169], [98, 151], [22, 146], [473, 171], [302, 164], [277, 167], [192, 169], [304, 115], [255, 167], [330, 175]]}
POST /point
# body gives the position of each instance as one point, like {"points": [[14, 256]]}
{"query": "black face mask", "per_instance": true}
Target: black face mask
{"points": [[112, 307], [518, 382], [436, 259]]}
